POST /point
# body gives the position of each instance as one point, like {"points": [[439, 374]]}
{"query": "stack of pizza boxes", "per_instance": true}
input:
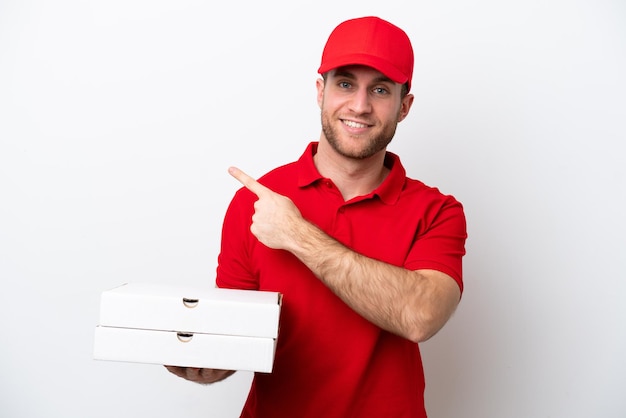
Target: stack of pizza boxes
{"points": [[190, 327]]}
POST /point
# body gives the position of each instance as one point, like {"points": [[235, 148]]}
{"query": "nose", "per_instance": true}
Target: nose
{"points": [[360, 101]]}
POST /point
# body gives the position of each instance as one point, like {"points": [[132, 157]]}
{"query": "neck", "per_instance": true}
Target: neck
{"points": [[353, 177]]}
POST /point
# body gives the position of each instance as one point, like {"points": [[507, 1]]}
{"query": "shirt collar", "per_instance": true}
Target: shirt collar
{"points": [[389, 190]]}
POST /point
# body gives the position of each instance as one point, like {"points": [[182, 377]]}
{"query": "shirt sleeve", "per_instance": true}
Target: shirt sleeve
{"points": [[441, 244], [234, 267]]}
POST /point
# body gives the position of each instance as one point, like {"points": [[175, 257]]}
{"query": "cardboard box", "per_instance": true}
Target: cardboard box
{"points": [[187, 326], [226, 352]]}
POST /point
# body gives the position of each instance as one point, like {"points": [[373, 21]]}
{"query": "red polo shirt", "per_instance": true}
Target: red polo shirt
{"points": [[330, 362]]}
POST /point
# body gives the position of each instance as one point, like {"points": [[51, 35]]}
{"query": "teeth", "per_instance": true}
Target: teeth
{"points": [[354, 124]]}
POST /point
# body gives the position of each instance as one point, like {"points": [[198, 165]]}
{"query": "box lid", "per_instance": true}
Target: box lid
{"points": [[208, 310]]}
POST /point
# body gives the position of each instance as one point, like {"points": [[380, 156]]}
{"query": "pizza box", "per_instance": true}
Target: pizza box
{"points": [[188, 326], [184, 349], [209, 310]]}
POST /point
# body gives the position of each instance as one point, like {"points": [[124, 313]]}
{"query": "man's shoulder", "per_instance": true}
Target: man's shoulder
{"points": [[417, 189], [280, 176]]}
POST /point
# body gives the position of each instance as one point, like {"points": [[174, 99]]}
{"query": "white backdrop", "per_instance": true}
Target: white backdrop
{"points": [[118, 120]]}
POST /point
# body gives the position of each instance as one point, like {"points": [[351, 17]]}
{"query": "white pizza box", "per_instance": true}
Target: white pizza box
{"points": [[184, 349], [209, 310]]}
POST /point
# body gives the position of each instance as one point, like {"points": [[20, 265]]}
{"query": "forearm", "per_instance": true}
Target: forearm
{"points": [[412, 304]]}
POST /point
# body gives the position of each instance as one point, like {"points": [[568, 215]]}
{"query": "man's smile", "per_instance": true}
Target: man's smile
{"points": [[353, 124]]}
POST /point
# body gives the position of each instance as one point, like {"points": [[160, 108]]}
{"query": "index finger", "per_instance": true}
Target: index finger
{"points": [[248, 182]]}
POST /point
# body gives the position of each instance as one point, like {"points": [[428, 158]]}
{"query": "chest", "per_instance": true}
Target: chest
{"points": [[368, 226]]}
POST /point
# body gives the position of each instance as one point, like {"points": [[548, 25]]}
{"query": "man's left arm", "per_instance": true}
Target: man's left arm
{"points": [[412, 304]]}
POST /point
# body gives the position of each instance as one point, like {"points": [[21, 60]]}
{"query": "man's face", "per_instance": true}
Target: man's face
{"points": [[360, 110]]}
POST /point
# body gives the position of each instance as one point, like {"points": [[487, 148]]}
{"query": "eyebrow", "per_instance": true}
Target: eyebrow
{"points": [[343, 72]]}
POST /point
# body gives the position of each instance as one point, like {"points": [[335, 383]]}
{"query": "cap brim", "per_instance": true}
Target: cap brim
{"points": [[370, 61]]}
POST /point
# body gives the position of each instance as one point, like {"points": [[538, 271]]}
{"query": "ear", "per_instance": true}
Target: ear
{"points": [[405, 106], [319, 84]]}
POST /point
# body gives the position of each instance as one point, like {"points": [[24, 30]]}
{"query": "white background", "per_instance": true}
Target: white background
{"points": [[118, 120]]}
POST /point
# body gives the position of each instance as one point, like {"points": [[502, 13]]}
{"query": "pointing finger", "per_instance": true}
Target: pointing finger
{"points": [[250, 183]]}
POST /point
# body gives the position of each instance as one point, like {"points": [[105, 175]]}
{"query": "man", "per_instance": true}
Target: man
{"points": [[367, 259]]}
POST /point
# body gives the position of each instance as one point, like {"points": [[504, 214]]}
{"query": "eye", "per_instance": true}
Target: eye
{"points": [[344, 85], [380, 90]]}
